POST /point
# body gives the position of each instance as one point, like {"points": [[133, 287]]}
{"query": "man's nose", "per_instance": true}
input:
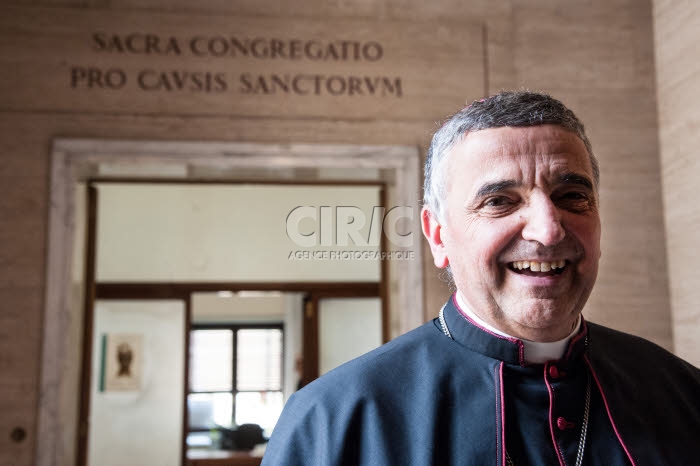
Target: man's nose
{"points": [[543, 222]]}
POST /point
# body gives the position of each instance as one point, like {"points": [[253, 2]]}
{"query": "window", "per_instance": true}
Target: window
{"points": [[235, 376]]}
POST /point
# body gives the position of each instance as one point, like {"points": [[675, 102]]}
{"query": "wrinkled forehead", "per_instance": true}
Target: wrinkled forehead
{"points": [[536, 142], [544, 139], [496, 149]]}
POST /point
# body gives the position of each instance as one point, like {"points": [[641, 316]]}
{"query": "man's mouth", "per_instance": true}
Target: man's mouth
{"points": [[538, 268]]}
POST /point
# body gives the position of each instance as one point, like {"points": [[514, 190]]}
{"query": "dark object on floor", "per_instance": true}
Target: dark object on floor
{"points": [[244, 437]]}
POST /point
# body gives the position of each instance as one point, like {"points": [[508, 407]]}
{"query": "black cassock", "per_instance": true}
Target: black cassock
{"points": [[467, 399]]}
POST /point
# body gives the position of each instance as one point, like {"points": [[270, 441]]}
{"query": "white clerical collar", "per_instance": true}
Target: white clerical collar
{"points": [[535, 352]]}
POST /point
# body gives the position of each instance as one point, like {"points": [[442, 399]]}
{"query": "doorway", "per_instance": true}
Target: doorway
{"points": [[175, 239], [77, 160]]}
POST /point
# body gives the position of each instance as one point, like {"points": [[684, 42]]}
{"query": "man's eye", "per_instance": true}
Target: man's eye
{"points": [[574, 201], [497, 202], [498, 206], [575, 196]]}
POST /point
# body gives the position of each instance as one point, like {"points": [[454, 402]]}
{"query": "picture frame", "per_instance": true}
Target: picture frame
{"points": [[122, 362]]}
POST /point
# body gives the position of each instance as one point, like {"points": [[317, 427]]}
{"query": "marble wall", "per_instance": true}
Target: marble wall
{"points": [[676, 25]]}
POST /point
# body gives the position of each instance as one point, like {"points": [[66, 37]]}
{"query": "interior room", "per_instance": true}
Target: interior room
{"points": [[163, 295]]}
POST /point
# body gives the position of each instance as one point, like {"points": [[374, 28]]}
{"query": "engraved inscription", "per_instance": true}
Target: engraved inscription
{"points": [[216, 48]]}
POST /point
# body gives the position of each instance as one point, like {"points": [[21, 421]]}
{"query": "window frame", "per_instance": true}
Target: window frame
{"points": [[235, 327]]}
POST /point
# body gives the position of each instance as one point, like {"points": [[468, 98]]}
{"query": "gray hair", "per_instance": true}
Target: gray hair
{"points": [[507, 108]]}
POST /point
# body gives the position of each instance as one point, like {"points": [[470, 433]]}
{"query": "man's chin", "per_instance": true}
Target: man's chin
{"points": [[543, 318]]}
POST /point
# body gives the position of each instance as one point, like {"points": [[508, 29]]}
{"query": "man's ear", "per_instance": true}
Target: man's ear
{"points": [[432, 230]]}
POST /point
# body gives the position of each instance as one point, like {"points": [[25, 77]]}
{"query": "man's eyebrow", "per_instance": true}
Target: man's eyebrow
{"points": [[576, 179], [498, 186]]}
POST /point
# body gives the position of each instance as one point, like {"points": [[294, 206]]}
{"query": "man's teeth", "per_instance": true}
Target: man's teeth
{"points": [[538, 266]]}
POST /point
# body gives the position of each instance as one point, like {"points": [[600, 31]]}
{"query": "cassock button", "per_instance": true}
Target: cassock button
{"points": [[563, 424], [553, 372]]}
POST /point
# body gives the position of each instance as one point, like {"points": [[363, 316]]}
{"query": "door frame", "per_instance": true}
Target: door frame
{"points": [[76, 160]]}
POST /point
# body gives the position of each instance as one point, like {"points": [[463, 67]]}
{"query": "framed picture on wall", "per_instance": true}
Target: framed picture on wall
{"points": [[122, 362]]}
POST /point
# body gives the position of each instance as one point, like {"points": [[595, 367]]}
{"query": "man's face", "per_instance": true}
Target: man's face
{"points": [[521, 230]]}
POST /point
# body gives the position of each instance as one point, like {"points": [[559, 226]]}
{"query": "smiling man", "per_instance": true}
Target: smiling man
{"points": [[519, 227], [509, 373]]}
